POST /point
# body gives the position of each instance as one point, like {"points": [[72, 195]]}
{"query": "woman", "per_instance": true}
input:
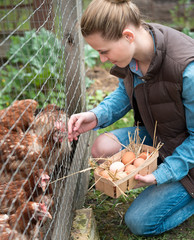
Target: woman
{"points": [[155, 67]]}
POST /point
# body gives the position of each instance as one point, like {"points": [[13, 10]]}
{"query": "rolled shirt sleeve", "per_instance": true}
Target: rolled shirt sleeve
{"points": [[113, 107]]}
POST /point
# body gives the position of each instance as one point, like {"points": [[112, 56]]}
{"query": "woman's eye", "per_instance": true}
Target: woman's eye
{"points": [[104, 52]]}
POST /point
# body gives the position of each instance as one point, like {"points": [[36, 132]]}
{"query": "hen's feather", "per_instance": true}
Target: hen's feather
{"points": [[13, 194], [24, 223], [24, 151], [19, 115]]}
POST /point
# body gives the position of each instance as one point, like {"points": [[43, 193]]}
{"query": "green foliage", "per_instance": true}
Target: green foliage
{"points": [[188, 32], [19, 18], [182, 14], [91, 56], [126, 121], [106, 65], [34, 68], [94, 100], [89, 82]]}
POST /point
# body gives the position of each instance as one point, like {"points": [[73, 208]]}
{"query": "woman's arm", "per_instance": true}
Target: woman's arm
{"points": [[113, 107]]}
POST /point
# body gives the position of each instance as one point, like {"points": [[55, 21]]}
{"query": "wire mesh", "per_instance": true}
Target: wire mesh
{"points": [[41, 84]]}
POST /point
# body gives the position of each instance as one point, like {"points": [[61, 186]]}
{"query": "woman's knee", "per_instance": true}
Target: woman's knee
{"points": [[134, 223], [105, 145], [139, 223]]}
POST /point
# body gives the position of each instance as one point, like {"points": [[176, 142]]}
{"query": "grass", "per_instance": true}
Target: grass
{"points": [[126, 121]]}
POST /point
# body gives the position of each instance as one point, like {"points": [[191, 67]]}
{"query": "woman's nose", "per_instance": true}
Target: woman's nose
{"points": [[103, 58]]}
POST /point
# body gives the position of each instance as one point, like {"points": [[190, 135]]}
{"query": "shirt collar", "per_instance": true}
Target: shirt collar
{"points": [[133, 65]]}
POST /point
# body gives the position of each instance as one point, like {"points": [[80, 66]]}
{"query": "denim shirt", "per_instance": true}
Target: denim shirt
{"points": [[117, 104]]}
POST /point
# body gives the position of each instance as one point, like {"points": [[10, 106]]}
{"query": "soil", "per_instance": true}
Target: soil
{"points": [[103, 80]]}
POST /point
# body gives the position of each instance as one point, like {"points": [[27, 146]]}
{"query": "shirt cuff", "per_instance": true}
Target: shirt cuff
{"points": [[162, 174], [101, 116]]}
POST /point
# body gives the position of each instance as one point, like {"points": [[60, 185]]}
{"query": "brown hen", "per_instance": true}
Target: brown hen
{"points": [[41, 145], [19, 115], [45, 122], [22, 152], [25, 223], [13, 194]]}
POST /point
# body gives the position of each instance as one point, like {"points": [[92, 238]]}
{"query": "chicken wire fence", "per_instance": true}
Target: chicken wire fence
{"points": [[41, 85]]}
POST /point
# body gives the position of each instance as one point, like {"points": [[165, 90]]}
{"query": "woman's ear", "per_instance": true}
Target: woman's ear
{"points": [[128, 34]]}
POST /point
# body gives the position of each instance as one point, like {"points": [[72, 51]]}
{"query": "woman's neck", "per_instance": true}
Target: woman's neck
{"points": [[144, 49]]}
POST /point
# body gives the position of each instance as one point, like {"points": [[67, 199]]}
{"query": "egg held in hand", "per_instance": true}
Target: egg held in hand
{"points": [[117, 167], [128, 157]]}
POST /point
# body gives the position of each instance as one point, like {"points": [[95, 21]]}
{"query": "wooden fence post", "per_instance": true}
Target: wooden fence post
{"points": [[74, 57], [43, 15]]}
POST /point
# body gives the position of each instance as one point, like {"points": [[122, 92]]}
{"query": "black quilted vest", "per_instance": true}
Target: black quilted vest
{"points": [[159, 97]]}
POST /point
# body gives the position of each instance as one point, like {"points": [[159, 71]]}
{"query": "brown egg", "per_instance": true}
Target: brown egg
{"points": [[138, 162], [121, 175], [129, 168], [144, 155], [128, 157], [104, 174]]}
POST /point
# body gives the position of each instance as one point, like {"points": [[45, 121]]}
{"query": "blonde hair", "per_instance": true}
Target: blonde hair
{"points": [[109, 18]]}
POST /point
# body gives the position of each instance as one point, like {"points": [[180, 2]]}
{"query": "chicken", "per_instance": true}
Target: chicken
{"points": [[46, 198], [19, 115], [25, 223], [32, 142], [45, 122], [46, 119], [23, 151], [13, 194]]}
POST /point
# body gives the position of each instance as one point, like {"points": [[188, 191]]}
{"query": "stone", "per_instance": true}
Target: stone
{"points": [[84, 225]]}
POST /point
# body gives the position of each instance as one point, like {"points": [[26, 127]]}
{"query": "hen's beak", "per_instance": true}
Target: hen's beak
{"points": [[44, 181], [48, 215], [44, 214], [43, 188]]}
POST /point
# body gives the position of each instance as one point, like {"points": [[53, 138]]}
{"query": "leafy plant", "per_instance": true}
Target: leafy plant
{"points": [[126, 121], [93, 101], [188, 32], [34, 67], [182, 14], [89, 82], [91, 56]]}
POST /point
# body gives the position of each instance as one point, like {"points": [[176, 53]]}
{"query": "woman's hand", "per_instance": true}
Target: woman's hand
{"points": [[80, 123], [144, 181]]}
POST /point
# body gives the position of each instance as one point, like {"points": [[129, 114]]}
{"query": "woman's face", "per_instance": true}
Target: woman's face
{"points": [[118, 52]]}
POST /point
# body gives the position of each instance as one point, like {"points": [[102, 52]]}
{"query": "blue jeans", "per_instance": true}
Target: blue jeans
{"points": [[123, 137], [158, 208]]}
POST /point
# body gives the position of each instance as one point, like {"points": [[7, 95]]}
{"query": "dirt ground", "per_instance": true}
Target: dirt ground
{"points": [[103, 80]]}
